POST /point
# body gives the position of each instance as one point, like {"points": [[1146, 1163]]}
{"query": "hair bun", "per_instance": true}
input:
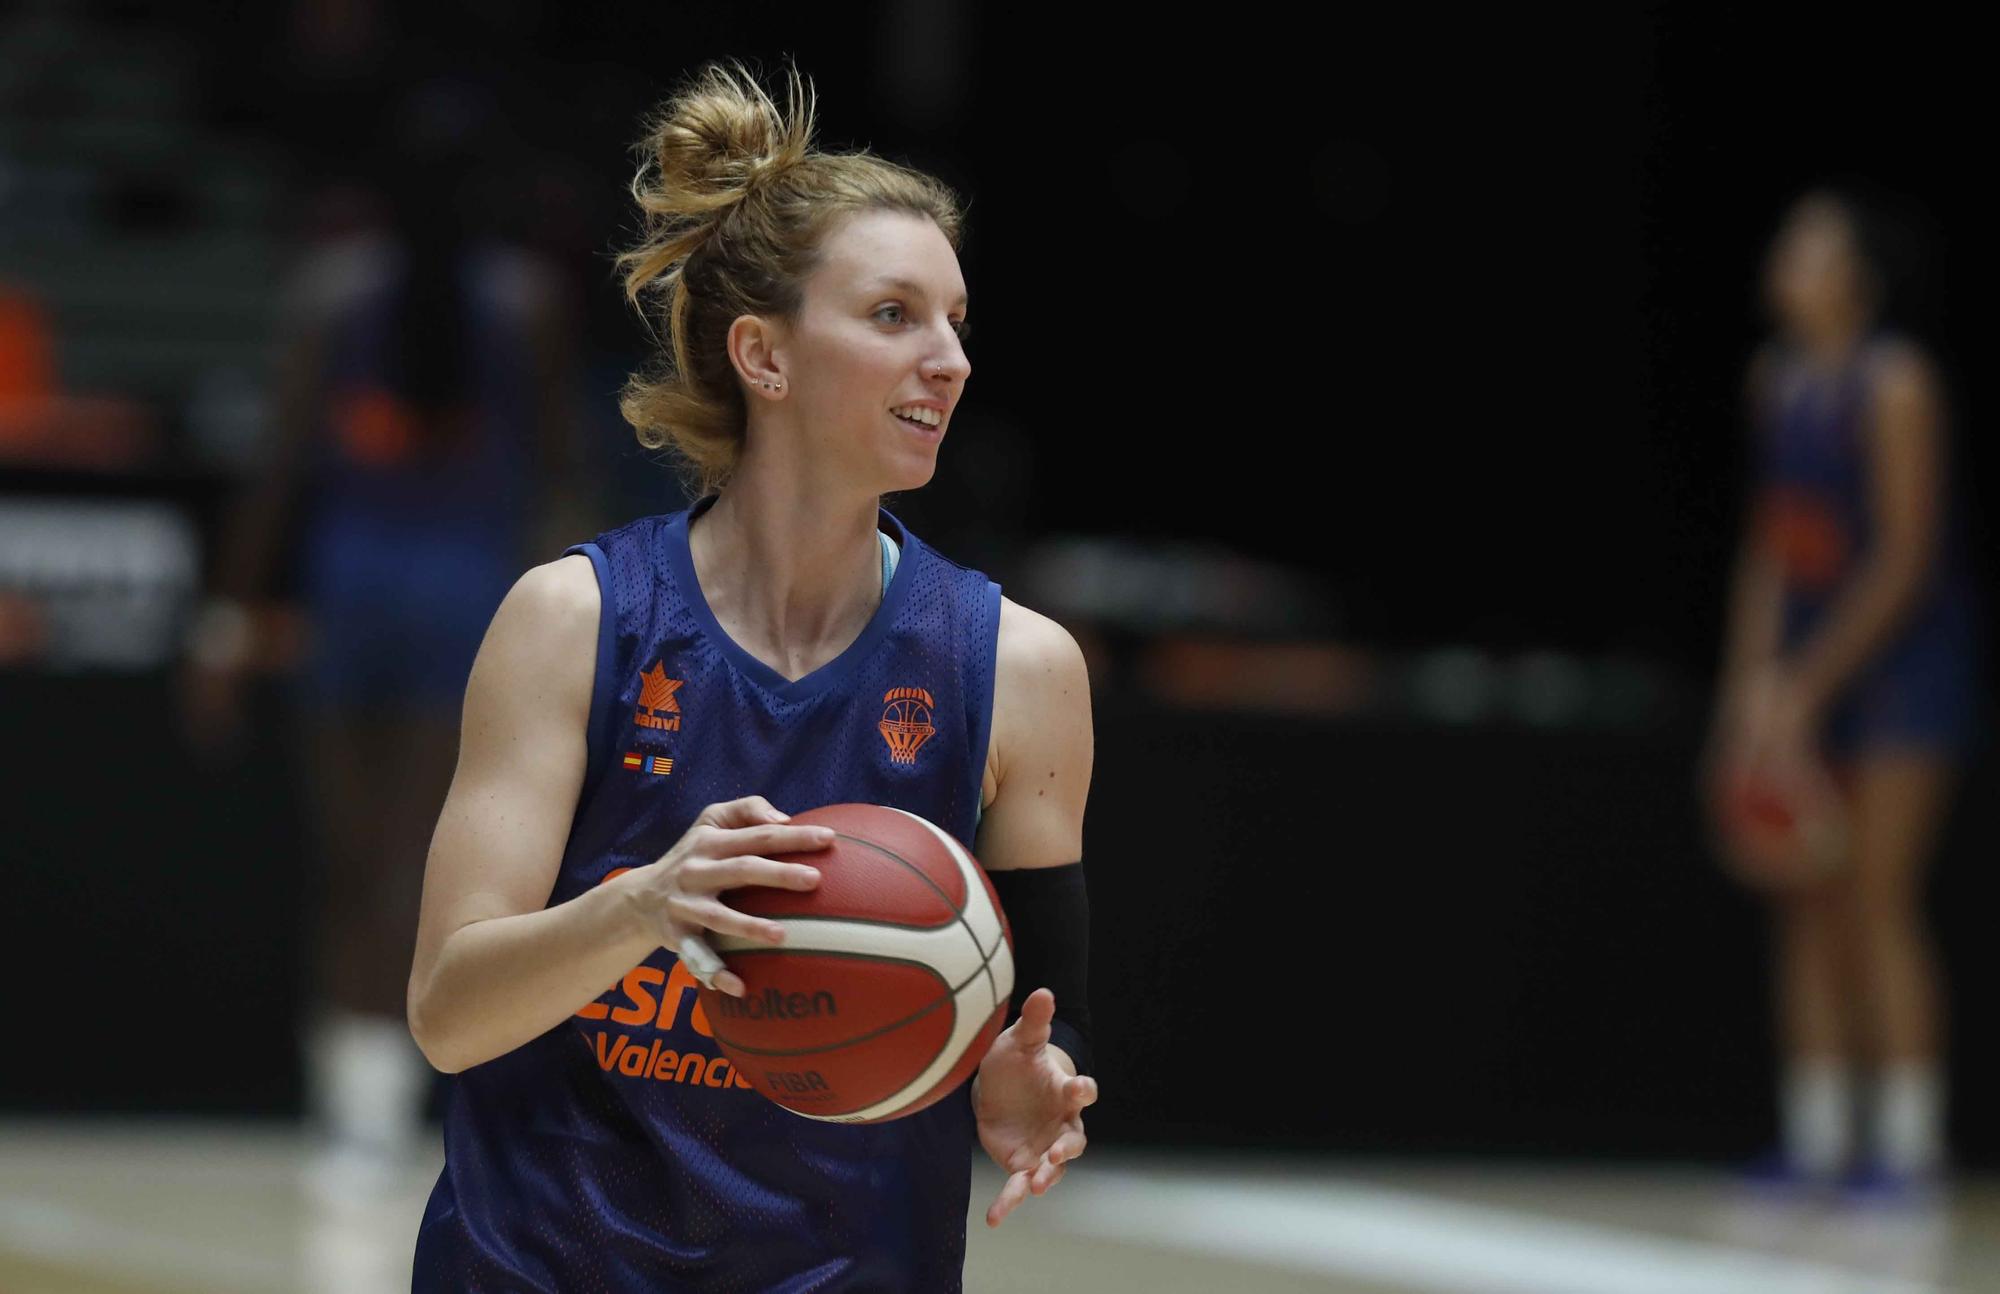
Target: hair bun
{"points": [[735, 205], [720, 137]]}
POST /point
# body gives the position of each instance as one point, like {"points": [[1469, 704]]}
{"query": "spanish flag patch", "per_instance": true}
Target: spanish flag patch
{"points": [[658, 765]]}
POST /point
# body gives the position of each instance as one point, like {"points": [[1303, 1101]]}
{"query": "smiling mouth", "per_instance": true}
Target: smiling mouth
{"points": [[922, 428]]}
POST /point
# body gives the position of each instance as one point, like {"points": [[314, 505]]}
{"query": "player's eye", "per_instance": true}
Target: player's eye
{"points": [[963, 327]]}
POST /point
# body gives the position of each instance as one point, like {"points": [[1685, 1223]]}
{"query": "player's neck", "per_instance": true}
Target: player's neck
{"points": [[1832, 343], [790, 573]]}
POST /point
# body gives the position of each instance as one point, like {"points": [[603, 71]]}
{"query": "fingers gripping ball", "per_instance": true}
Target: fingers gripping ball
{"points": [[891, 984]]}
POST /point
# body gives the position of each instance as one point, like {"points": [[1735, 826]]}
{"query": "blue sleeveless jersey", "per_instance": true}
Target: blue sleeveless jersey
{"points": [[621, 1151], [1815, 517]]}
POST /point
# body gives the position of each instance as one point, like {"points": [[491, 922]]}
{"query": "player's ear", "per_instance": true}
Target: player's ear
{"points": [[753, 344]]}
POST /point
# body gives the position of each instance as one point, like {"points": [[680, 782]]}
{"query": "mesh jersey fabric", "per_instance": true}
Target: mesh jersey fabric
{"points": [[619, 1151]]}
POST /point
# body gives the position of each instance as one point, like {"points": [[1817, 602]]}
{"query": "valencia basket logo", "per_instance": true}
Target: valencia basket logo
{"points": [[906, 722]]}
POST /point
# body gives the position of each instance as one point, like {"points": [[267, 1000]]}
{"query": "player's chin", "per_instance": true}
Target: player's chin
{"points": [[910, 471]]}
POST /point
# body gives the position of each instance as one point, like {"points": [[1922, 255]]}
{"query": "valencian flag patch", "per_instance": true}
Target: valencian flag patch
{"points": [[660, 765]]}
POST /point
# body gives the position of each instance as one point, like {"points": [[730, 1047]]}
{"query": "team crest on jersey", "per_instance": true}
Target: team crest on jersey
{"points": [[906, 722], [657, 706]]}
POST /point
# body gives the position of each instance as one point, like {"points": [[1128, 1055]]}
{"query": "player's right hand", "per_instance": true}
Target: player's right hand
{"points": [[727, 847], [1739, 736]]}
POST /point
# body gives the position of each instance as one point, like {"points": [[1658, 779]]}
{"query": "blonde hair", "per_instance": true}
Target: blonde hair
{"points": [[736, 205]]}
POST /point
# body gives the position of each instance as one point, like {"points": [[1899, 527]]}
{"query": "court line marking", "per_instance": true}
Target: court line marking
{"points": [[1323, 1226], [1397, 1237]]}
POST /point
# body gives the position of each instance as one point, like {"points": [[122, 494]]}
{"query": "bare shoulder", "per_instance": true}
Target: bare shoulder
{"points": [[540, 653], [553, 605], [1033, 647], [1040, 683], [565, 587], [1039, 759], [333, 276], [1903, 374]]}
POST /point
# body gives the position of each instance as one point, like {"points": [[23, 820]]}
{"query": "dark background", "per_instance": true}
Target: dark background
{"points": [[1446, 314]]}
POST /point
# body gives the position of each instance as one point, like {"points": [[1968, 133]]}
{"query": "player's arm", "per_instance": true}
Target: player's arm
{"points": [[1756, 589], [1905, 452], [308, 307], [1753, 633], [1030, 837], [223, 641], [494, 967]]}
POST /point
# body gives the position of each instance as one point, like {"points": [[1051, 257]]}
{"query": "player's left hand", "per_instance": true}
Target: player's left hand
{"points": [[1029, 1106]]}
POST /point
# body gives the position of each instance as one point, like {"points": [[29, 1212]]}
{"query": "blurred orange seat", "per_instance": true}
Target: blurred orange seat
{"points": [[38, 424], [26, 366]]}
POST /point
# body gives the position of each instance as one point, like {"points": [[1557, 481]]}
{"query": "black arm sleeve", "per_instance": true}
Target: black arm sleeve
{"points": [[1048, 912]]}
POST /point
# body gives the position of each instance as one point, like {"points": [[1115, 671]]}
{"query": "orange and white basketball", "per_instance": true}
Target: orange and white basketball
{"points": [[893, 980]]}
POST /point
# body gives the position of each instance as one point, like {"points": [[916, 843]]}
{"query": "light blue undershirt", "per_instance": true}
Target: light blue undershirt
{"points": [[890, 555]]}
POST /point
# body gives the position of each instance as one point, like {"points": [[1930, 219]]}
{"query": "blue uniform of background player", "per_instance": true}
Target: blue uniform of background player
{"points": [[1852, 642], [409, 545], [1918, 690]]}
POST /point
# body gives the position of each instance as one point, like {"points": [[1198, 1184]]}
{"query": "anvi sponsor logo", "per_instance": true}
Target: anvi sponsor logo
{"points": [[658, 708]]}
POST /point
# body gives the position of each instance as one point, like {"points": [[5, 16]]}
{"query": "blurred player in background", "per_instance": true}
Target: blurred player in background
{"points": [[1851, 649], [422, 416]]}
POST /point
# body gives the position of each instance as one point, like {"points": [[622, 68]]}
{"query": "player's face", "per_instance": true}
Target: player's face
{"points": [[1814, 277], [864, 345]]}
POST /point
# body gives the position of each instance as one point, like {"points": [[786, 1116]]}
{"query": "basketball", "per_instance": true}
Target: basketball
{"points": [[893, 980], [1783, 831]]}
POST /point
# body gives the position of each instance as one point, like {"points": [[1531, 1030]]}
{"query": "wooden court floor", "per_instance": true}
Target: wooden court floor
{"points": [[202, 1208]]}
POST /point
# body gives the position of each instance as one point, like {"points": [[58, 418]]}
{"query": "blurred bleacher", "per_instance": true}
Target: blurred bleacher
{"points": [[139, 248], [146, 234]]}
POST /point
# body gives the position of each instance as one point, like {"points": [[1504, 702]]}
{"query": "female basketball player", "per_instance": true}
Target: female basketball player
{"points": [[814, 315], [1851, 639]]}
